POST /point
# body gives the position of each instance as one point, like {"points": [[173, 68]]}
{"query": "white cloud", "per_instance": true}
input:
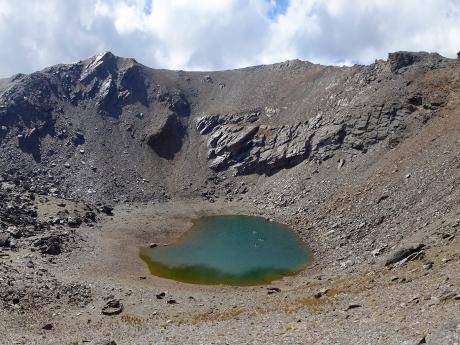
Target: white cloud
{"points": [[209, 34]]}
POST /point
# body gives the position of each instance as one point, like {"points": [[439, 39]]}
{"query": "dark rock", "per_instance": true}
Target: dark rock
{"points": [[74, 222], [112, 307], [353, 306], [179, 104], [449, 295], [4, 240], [402, 59], [398, 60], [48, 327], [50, 245], [29, 139], [78, 139], [171, 301], [207, 79], [414, 342], [132, 87], [272, 290], [382, 197], [161, 295], [107, 209], [103, 342], [234, 141], [321, 293], [90, 217], [206, 124], [403, 253]]}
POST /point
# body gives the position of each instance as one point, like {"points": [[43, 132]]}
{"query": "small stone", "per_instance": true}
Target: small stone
{"points": [[171, 301], [433, 301], [161, 295], [112, 307], [414, 342], [377, 251], [428, 265], [353, 306], [382, 197], [272, 290], [107, 209], [103, 342], [48, 327], [321, 293]]}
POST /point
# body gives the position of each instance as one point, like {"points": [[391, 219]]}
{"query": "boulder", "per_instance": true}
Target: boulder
{"points": [[403, 253], [49, 245]]}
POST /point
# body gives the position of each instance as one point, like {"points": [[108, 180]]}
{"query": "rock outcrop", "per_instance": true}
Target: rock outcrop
{"points": [[243, 143], [402, 59]]}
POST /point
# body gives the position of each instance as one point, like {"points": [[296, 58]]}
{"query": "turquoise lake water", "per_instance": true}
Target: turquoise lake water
{"points": [[231, 250]]}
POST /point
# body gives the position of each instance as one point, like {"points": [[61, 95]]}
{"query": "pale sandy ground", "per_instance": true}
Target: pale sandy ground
{"points": [[394, 306]]}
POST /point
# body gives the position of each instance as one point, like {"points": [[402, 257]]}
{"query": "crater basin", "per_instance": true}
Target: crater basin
{"points": [[230, 250]]}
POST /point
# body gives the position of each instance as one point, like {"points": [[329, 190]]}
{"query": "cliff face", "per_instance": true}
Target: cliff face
{"points": [[110, 127]]}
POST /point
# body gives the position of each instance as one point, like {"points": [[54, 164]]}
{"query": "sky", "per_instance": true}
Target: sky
{"points": [[222, 34]]}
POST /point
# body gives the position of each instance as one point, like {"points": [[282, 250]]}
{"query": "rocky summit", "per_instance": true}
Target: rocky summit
{"points": [[105, 156]]}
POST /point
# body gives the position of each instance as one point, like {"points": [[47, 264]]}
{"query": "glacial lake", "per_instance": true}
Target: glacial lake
{"points": [[230, 250]]}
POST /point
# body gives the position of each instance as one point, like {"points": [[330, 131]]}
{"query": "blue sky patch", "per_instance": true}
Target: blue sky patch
{"points": [[148, 7], [278, 7]]}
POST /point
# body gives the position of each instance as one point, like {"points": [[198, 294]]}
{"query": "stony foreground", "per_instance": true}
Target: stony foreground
{"points": [[103, 292]]}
